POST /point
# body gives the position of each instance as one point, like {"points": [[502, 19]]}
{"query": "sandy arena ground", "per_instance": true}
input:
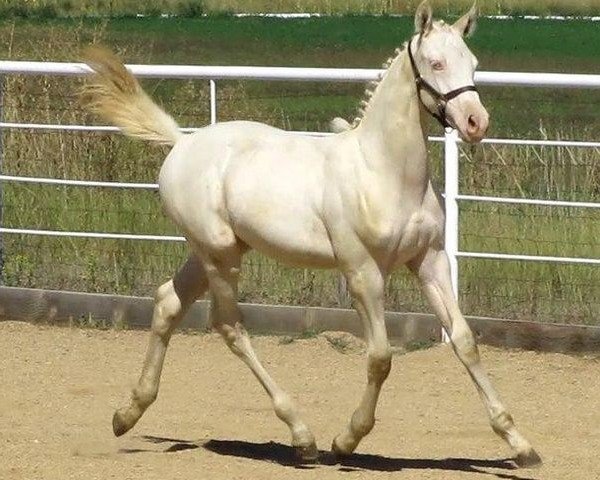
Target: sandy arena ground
{"points": [[213, 421]]}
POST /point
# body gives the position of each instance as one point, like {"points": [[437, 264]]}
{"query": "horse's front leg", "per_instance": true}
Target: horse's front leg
{"points": [[433, 271], [366, 284]]}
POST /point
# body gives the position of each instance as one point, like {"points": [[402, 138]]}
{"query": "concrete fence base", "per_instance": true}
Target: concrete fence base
{"points": [[58, 307]]}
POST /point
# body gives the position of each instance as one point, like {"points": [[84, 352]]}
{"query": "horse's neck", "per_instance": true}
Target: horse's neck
{"points": [[391, 131]]}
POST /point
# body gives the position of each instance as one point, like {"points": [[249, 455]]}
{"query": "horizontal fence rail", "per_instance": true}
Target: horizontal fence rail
{"points": [[529, 258], [78, 183], [522, 79], [525, 201], [212, 74], [105, 235]]}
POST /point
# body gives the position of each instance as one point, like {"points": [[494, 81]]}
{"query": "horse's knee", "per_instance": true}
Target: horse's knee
{"points": [[356, 282], [501, 422], [284, 406], [379, 364], [465, 346], [227, 332], [235, 337], [167, 307], [364, 282]]}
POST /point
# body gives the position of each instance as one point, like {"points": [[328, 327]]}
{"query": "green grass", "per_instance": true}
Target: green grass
{"points": [[566, 293], [358, 40]]}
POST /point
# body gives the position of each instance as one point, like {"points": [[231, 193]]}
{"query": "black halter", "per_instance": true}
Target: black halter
{"points": [[441, 99]]}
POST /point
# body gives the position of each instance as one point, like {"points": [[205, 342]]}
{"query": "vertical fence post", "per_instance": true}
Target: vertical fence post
{"points": [[451, 204], [213, 101], [343, 296], [2, 83]]}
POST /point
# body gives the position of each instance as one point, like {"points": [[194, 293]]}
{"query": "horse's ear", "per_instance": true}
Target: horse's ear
{"points": [[423, 18], [467, 23]]}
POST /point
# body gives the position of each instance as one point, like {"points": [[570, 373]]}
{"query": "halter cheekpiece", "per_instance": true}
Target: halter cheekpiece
{"points": [[441, 99]]}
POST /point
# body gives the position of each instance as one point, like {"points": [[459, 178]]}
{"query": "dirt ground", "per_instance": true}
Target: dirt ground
{"points": [[59, 387]]}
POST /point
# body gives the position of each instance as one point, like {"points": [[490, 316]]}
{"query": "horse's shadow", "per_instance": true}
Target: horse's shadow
{"points": [[285, 455]]}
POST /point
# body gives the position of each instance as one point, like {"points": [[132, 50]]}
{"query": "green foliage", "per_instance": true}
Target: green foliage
{"points": [[90, 322], [341, 344], [42, 10], [419, 345], [308, 333], [190, 9]]}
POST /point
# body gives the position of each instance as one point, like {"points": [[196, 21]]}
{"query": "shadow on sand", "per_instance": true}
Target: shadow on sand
{"points": [[285, 455], [176, 445]]}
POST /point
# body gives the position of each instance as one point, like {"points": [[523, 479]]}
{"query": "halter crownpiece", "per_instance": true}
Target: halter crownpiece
{"points": [[441, 99]]}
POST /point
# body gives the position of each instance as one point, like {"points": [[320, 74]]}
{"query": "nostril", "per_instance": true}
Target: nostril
{"points": [[473, 125]]}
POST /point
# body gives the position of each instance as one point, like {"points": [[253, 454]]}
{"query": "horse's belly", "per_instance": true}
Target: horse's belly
{"points": [[273, 207], [301, 242], [287, 231]]}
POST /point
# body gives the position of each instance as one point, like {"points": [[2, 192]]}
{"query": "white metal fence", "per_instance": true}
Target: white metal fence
{"points": [[213, 74]]}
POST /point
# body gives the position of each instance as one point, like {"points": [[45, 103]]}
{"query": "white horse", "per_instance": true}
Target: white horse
{"points": [[360, 201]]}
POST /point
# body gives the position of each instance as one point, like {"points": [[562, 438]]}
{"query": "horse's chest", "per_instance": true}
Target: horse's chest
{"points": [[396, 229], [420, 231], [378, 222]]}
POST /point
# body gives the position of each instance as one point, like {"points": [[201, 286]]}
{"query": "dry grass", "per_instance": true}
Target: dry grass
{"points": [[53, 8], [534, 291], [405, 6]]}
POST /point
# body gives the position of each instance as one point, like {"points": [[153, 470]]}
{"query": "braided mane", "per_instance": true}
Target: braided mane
{"points": [[373, 85]]}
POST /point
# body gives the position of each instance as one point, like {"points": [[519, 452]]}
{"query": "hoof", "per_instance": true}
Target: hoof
{"points": [[339, 449], [528, 459], [307, 453], [120, 426]]}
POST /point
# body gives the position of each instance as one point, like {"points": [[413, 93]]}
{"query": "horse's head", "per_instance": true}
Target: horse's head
{"points": [[444, 68]]}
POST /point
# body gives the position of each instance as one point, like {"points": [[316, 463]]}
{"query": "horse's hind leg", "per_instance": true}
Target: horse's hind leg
{"points": [[434, 273], [171, 302], [223, 269]]}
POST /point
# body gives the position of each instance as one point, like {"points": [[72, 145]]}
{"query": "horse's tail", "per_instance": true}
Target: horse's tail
{"points": [[115, 94], [339, 125]]}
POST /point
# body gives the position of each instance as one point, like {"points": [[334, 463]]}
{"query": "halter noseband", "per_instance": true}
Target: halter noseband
{"points": [[441, 99]]}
